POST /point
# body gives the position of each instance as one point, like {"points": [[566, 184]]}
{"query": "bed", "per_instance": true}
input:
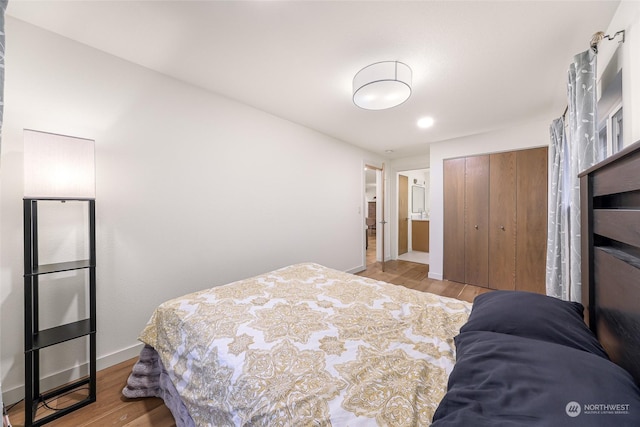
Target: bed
{"points": [[302, 345], [308, 345]]}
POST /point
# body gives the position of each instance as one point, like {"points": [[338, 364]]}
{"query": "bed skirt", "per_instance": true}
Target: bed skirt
{"points": [[149, 379]]}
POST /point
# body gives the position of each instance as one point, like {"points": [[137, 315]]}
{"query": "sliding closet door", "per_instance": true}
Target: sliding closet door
{"points": [[532, 220], [502, 221], [495, 220], [453, 178], [476, 250]]}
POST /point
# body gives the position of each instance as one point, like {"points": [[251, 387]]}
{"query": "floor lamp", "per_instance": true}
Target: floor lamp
{"points": [[57, 168]]}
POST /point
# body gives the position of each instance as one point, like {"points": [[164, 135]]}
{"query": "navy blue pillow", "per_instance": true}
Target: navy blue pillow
{"points": [[505, 380], [536, 316]]}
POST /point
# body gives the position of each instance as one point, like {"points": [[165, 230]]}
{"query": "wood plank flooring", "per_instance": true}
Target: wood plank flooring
{"points": [[414, 276], [112, 409]]}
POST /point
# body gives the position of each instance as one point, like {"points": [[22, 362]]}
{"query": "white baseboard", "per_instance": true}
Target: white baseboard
{"points": [[357, 269], [436, 276], [119, 356], [54, 380]]}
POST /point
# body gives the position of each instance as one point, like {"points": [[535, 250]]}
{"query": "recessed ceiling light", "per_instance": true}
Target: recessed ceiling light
{"points": [[425, 122], [388, 151]]}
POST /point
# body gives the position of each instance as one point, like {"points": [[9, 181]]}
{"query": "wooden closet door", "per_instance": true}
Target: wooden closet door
{"points": [[532, 220], [502, 221], [476, 249], [453, 180]]}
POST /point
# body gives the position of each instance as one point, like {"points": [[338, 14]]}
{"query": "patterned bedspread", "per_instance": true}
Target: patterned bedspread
{"points": [[308, 345]]}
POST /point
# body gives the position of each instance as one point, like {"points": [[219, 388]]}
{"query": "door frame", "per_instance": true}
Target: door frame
{"points": [[380, 209]]}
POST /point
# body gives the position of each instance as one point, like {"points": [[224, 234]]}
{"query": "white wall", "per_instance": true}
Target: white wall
{"points": [[193, 190], [526, 136]]}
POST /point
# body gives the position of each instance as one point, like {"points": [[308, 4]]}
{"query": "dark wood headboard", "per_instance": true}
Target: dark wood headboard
{"points": [[610, 209]]}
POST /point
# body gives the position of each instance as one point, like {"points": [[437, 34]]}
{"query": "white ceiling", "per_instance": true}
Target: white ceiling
{"points": [[477, 65]]}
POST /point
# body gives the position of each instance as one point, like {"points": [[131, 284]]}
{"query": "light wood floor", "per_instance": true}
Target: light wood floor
{"points": [[112, 409], [414, 276]]}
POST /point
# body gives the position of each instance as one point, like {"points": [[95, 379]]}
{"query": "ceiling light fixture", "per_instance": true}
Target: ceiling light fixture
{"points": [[382, 85], [425, 122]]}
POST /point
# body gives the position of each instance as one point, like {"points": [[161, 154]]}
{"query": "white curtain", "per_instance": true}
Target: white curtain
{"points": [[570, 153]]}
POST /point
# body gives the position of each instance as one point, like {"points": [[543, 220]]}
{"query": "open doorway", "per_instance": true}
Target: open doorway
{"points": [[374, 233], [413, 216]]}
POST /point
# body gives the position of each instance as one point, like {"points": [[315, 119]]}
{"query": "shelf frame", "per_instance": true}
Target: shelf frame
{"points": [[36, 339]]}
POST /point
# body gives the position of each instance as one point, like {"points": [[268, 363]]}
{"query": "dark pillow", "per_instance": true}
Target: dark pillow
{"points": [[536, 316], [505, 380]]}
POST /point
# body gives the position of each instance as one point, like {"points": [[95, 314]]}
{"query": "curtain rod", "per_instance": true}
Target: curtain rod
{"points": [[599, 36], [595, 40]]}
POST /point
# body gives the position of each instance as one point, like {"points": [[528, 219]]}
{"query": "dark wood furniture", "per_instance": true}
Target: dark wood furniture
{"points": [[495, 220], [610, 209]]}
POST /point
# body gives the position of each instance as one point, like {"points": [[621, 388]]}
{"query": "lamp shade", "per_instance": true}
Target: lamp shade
{"points": [[58, 166], [382, 85]]}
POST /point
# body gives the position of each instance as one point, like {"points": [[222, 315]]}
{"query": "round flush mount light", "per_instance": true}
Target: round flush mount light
{"points": [[382, 85]]}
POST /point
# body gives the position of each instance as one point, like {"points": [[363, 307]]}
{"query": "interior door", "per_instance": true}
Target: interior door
{"points": [[403, 214], [532, 220], [453, 178], [476, 248], [502, 221]]}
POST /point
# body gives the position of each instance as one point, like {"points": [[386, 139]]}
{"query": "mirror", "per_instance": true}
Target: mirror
{"points": [[417, 199]]}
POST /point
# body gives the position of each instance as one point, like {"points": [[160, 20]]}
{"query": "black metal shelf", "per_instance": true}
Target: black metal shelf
{"points": [[62, 333], [36, 339], [60, 267], [45, 397]]}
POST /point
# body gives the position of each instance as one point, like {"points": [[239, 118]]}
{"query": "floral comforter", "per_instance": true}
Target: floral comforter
{"points": [[308, 345]]}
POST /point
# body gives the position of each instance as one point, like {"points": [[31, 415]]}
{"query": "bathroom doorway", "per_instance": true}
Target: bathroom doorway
{"points": [[413, 215]]}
